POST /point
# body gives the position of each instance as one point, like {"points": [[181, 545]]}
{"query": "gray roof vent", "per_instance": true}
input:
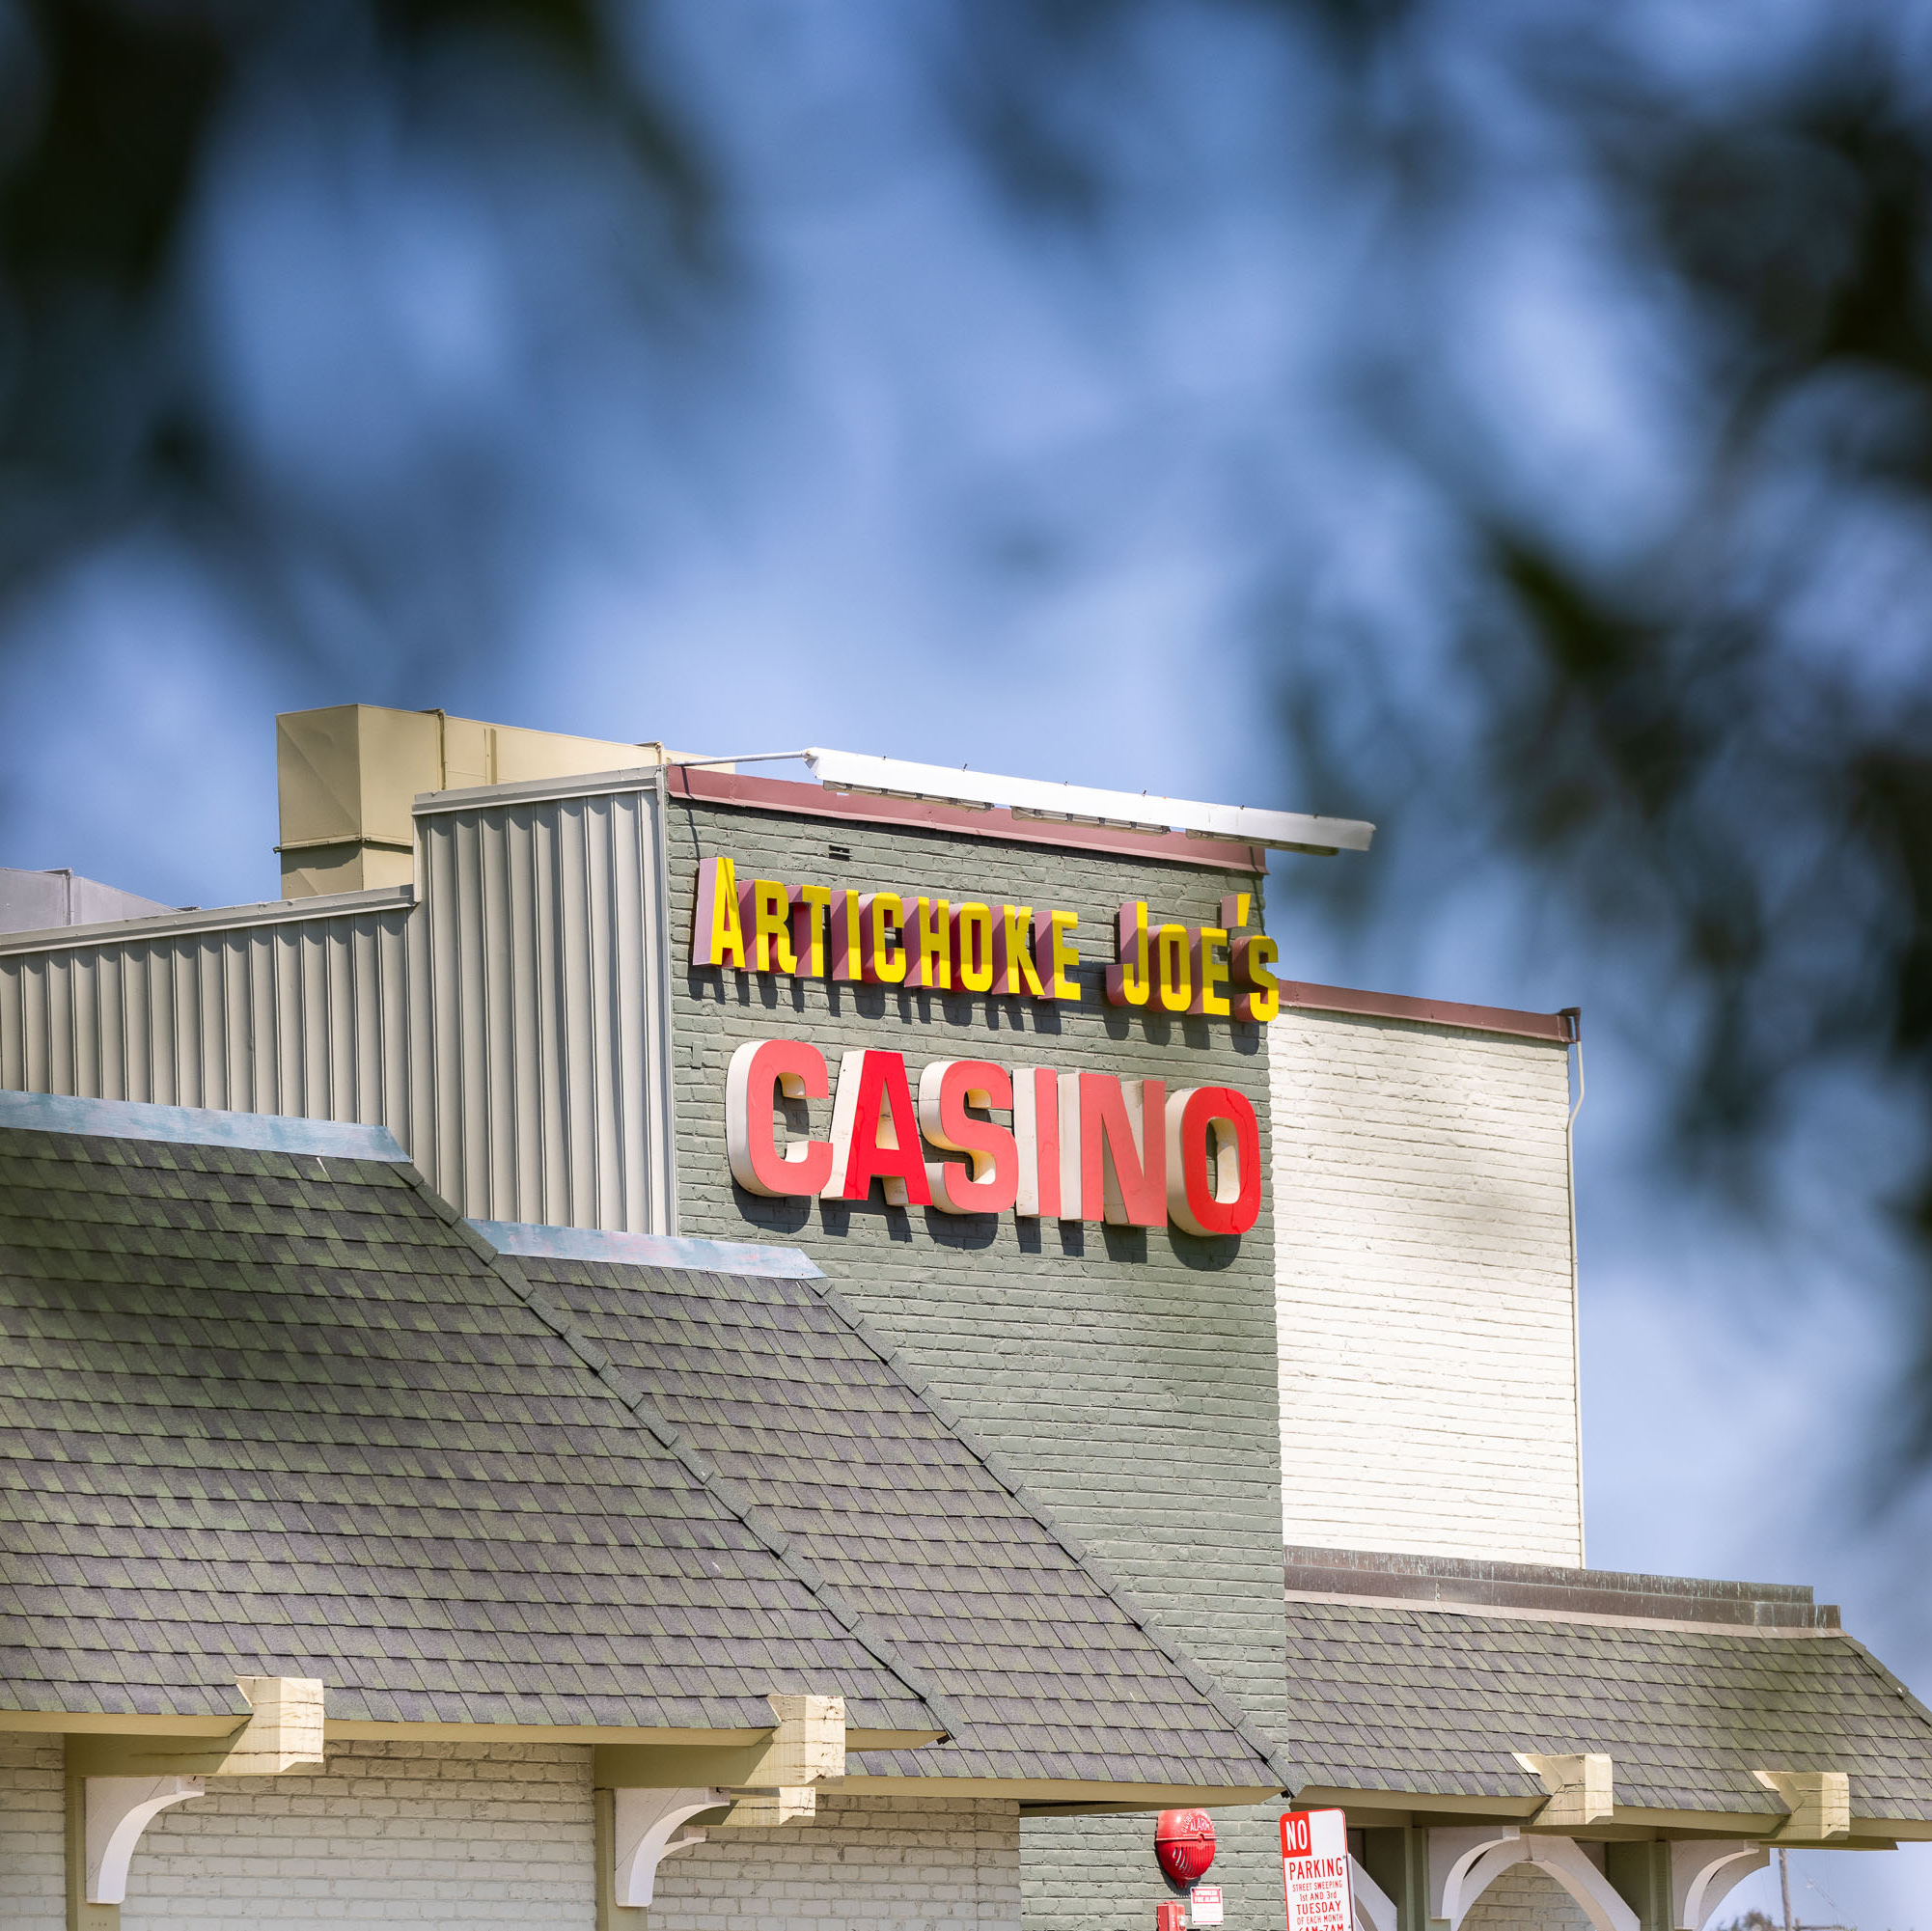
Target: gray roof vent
{"points": [[35, 901]]}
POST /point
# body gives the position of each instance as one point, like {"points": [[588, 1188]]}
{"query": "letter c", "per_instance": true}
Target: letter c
{"points": [[798, 1071]]}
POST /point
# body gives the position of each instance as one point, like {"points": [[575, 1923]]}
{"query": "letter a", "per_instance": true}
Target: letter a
{"points": [[875, 1132], [717, 936]]}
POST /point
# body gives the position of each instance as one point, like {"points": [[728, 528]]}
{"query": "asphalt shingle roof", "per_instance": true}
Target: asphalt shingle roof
{"points": [[1386, 1697], [275, 1412], [271, 1412], [1043, 1670]]}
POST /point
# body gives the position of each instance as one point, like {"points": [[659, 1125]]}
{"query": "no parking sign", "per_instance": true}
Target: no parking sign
{"points": [[1314, 1871]]}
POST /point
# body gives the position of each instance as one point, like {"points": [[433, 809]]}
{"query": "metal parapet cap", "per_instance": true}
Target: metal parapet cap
{"points": [[1082, 804]]}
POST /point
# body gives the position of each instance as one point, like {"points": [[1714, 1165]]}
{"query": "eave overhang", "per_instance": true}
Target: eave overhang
{"points": [[94, 1723], [1392, 1809], [1067, 1796]]}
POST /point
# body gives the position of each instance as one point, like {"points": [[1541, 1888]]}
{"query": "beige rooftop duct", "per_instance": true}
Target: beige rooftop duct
{"points": [[349, 775]]}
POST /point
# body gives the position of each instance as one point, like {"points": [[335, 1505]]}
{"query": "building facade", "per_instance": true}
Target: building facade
{"points": [[1208, 1272]]}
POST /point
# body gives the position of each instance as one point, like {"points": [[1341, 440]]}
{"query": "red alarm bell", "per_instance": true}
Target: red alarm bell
{"points": [[1184, 1844]]}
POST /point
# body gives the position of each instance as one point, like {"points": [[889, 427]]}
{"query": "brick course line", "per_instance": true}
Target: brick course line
{"points": [[1145, 1618]]}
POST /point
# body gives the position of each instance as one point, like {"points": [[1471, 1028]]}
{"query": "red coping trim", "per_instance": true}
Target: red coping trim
{"points": [[813, 801], [1561, 1028]]}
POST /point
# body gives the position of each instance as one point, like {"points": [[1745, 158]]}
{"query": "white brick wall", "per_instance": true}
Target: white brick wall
{"points": [[906, 1863], [1525, 1898], [390, 1835], [33, 1844], [1423, 1291], [417, 1835]]}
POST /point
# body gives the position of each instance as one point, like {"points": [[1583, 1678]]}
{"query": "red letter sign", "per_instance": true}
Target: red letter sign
{"points": [[990, 1184], [875, 1133], [798, 1070], [1036, 1128], [1123, 1147], [1214, 1161]]}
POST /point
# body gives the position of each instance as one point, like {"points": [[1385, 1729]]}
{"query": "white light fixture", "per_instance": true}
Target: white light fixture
{"points": [[1080, 804]]}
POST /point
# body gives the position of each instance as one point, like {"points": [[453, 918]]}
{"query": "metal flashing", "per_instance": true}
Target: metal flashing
{"points": [[1083, 804], [213, 918], [1592, 1619], [537, 790], [646, 1249], [1559, 1028], [1485, 1588], [697, 785], [198, 1126]]}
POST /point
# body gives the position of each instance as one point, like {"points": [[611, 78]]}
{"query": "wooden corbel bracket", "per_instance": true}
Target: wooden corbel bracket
{"points": [[1580, 1788], [649, 1794], [807, 1748], [1819, 1801], [647, 1826]]}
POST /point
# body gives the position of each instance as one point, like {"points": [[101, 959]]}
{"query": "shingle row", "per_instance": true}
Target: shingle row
{"points": [[273, 1413], [1391, 1698]]}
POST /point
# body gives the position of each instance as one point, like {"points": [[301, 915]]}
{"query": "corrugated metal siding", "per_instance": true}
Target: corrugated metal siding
{"points": [[507, 1028], [546, 954], [292, 1017]]}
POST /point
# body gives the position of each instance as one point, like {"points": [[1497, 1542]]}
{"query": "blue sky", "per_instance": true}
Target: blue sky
{"points": [[915, 478]]}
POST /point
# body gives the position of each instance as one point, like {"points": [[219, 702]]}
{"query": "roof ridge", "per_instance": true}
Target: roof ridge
{"points": [[1143, 1619], [1742, 1632], [619, 1385]]}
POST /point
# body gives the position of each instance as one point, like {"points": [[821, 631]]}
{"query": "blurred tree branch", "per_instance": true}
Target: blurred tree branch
{"points": [[1707, 733], [116, 112], [1703, 724]]}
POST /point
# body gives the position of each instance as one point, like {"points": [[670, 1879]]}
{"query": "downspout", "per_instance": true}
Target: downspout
{"points": [[1573, 1016], [666, 1016]]}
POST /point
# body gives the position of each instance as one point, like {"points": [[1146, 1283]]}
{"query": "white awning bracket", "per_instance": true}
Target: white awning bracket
{"points": [[1452, 1854], [647, 1826], [1374, 1909], [1703, 1874], [1464, 1863], [119, 1809]]}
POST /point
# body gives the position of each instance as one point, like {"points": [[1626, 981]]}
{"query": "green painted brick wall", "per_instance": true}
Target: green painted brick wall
{"points": [[1129, 1374]]}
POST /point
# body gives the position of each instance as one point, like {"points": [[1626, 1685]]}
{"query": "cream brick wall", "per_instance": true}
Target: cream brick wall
{"points": [[906, 1863], [33, 1849], [1525, 1898], [1423, 1291], [415, 1835], [390, 1835]]}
